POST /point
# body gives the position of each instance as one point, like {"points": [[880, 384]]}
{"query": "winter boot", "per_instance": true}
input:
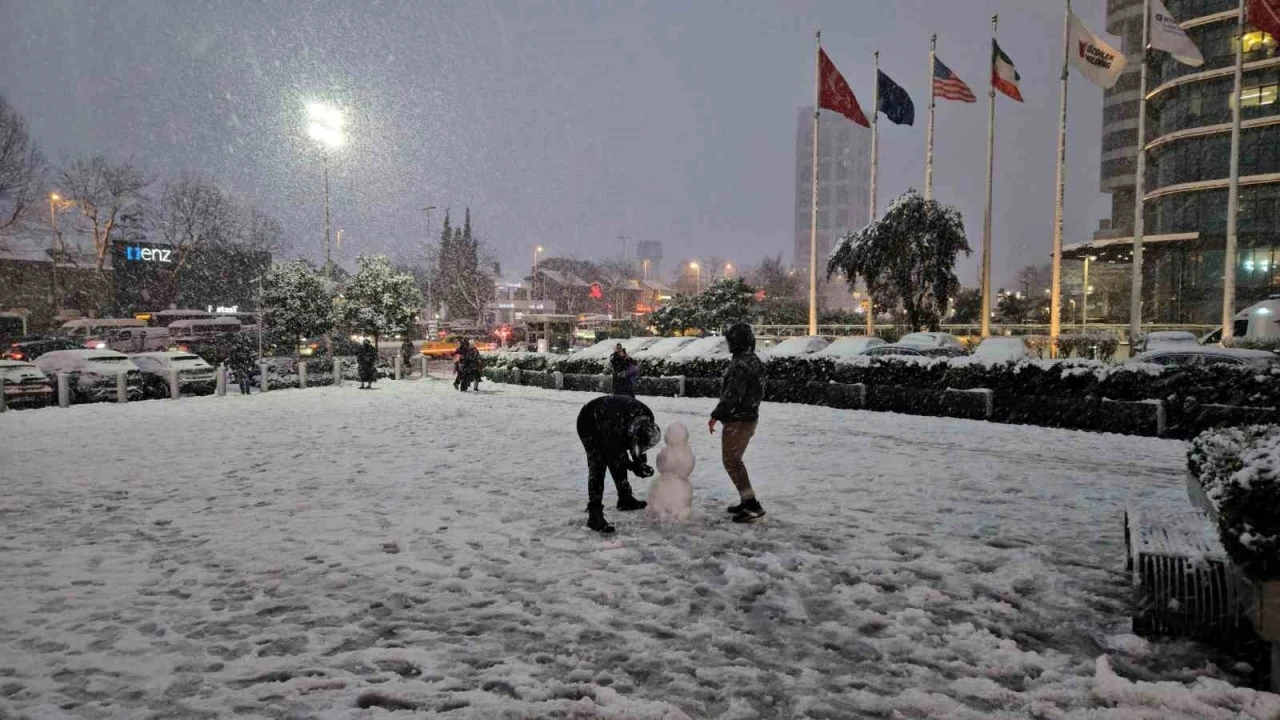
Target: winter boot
{"points": [[596, 521], [734, 509], [628, 503], [751, 511]]}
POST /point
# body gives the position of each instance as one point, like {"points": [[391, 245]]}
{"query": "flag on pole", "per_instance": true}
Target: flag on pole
{"points": [[895, 103], [834, 93], [1166, 34], [1265, 15], [1003, 75], [1095, 59], [949, 87]]}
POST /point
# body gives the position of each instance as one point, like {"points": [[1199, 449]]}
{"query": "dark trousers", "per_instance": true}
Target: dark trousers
{"points": [[244, 385], [598, 461]]}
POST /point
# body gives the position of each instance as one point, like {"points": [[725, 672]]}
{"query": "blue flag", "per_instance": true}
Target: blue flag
{"points": [[894, 102]]}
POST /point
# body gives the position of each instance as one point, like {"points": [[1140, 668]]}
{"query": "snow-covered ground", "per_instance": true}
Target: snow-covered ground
{"points": [[306, 553]]}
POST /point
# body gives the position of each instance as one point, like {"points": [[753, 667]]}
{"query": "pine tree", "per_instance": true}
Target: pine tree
{"points": [[295, 301], [378, 300]]}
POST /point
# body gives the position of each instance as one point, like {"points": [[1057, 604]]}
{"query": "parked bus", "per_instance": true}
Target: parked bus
{"points": [[163, 318], [180, 330], [87, 329]]}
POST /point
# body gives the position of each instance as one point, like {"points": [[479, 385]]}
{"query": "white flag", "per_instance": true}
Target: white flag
{"points": [[1095, 59], [1166, 34]]}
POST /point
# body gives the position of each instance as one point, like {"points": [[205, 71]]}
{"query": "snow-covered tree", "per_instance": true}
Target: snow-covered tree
{"points": [[785, 301], [726, 301], [22, 171], [967, 306], [378, 300], [908, 256], [295, 301]]}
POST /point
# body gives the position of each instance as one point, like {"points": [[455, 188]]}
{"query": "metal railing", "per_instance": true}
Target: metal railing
{"points": [[974, 329]]}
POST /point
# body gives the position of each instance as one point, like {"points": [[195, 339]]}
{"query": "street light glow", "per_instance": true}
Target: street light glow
{"points": [[326, 124], [693, 266], [55, 197], [539, 248]]}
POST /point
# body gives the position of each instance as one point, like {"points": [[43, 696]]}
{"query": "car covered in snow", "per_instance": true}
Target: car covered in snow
{"points": [[796, 347], [92, 373], [706, 348], [1207, 356], [24, 384], [1003, 349], [664, 348], [849, 347], [195, 376], [899, 350], [1166, 340], [932, 340], [30, 348]]}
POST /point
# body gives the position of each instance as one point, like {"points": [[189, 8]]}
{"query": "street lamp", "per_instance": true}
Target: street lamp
{"points": [[728, 268], [325, 127], [697, 270], [54, 200], [536, 249]]}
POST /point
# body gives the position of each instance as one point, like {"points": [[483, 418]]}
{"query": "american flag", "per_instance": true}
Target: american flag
{"points": [[949, 87]]}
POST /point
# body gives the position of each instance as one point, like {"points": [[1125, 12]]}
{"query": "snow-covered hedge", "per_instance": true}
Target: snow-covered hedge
{"points": [[1239, 469]]}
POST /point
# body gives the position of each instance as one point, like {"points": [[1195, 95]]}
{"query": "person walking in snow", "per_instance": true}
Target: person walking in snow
{"points": [[367, 360], [406, 355], [617, 365], [739, 411], [615, 431], [630, 378], [241, 361]]}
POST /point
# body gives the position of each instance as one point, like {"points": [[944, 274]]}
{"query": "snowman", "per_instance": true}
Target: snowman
{"points": [[671, 494]]}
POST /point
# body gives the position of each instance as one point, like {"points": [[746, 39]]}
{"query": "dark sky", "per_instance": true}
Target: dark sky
{"points": [[560, 123]]}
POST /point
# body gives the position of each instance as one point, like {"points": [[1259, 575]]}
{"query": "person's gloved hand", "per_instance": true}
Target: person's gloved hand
{"points": [[642, 469]]}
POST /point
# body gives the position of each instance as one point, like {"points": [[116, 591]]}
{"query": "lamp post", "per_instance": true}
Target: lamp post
{"points": [[431, 266], [645, 264], [534, 279], [326, 129], [697, 271], [54, 199], [1084, 304]]}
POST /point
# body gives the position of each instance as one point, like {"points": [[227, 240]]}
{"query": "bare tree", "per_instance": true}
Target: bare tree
{"points": [[261, 231], [194, 213], [104, 194], [22, 170]]}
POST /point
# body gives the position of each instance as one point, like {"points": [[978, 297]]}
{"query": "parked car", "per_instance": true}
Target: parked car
{"points": [[664, 348], [850, 347], [932, 340], [900, 350], [195, 376], [135, 339], [796, 346], [32, 347], [637, 344], [600, 350], [1003, 349], [1166, 340], [1207, 356], [92, 373], [706, 348], [25, 385]]}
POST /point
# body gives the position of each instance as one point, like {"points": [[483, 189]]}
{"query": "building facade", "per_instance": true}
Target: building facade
{"points": [[1187, 164], [844, 183]]}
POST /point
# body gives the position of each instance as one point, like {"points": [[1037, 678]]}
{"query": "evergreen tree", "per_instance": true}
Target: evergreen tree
{"points": [[295, 302], [908, 256], [463, 284], [378, 300]]}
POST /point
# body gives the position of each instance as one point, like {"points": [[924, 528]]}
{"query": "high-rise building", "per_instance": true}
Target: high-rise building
{"points": [[649, 253], [1188, 155], [844, 182]]}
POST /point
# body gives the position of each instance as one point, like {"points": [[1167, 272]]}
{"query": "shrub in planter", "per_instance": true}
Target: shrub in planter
{"points": [[1239, 469], [1269, 344], [697, 368], [579, 366]]}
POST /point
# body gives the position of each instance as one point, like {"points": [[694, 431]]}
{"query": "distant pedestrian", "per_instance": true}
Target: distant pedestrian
{"points": [[367, 360], [739, 410], [630, 378], [406, 355], [617, 365], [241, 360]]}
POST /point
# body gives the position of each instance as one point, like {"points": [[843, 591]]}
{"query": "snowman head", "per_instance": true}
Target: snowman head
{"points": [[677, 435]]}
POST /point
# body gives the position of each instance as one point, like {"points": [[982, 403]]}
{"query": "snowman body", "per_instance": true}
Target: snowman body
{"points": [[671, 494]]}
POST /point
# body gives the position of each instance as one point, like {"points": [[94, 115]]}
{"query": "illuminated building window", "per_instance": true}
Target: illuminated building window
{"points": [[1258, 95], [1258, 40]]}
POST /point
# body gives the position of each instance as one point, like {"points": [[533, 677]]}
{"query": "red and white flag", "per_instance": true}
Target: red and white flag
{"points": [[834, 93]]}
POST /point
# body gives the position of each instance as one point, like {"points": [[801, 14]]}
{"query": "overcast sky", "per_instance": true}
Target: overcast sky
{"points": [[564, 124]]}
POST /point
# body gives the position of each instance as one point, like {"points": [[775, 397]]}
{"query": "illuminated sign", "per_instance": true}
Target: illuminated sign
{"points": [[596, 291], [146, 254], [223, 309]]}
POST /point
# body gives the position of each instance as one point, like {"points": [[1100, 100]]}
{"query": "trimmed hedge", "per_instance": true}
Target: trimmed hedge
{"points": [[1239, 469]]}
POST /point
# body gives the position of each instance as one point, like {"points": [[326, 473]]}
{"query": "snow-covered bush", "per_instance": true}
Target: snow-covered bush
{"points": [[1239, 469], [1097, 345], [522, 360], [1269, 344], [378, 300]]}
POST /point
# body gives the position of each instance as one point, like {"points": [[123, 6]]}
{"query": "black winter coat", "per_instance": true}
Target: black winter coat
{"points": [[604, 426], [743, 389], [367, 359]]}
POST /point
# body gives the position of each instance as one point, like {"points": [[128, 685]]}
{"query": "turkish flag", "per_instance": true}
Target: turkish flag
{"points": [[1265, 15], [834, 93]]}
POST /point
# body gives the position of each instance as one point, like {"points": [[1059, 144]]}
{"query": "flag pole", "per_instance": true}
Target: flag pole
{"points": [[1056, 289], [986, 212], [928, 153], [813, 213], [875, 152], [1233, 192], [1139, 185]]}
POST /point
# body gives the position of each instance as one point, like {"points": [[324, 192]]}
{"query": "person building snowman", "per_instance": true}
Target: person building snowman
{"points": [[671, 494], [615, 431]]}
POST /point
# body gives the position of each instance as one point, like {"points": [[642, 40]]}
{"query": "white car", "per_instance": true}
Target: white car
{"points": [[24, 384], [663, 348], [637, 344], [1207, 356], [796, 346], [849, 347], [707, 348], [92, 373], [599, 351], [1003, 349], [931, 340], [1167, 340], [195, 376]]}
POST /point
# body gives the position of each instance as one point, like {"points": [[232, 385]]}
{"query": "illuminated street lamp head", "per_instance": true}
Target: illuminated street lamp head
{"points": [[55, 197], [539, 248], [325, 125], [693, 266]]}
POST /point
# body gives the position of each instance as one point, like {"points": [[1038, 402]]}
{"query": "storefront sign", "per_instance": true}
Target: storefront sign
{"points": [[147, 254]]}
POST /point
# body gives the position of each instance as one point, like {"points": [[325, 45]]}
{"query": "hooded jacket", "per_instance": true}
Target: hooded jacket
{"points": [[743, 381]]}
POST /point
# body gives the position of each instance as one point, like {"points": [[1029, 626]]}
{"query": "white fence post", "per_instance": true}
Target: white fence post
{"points": [[399, 366], [220, 387], [423, 360], [122, 386], [64, 391], [679, 386], [263, 384], [559, 379], [3, 406], [302, 374], [175, 389], [337, 371], [515, 376]]}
